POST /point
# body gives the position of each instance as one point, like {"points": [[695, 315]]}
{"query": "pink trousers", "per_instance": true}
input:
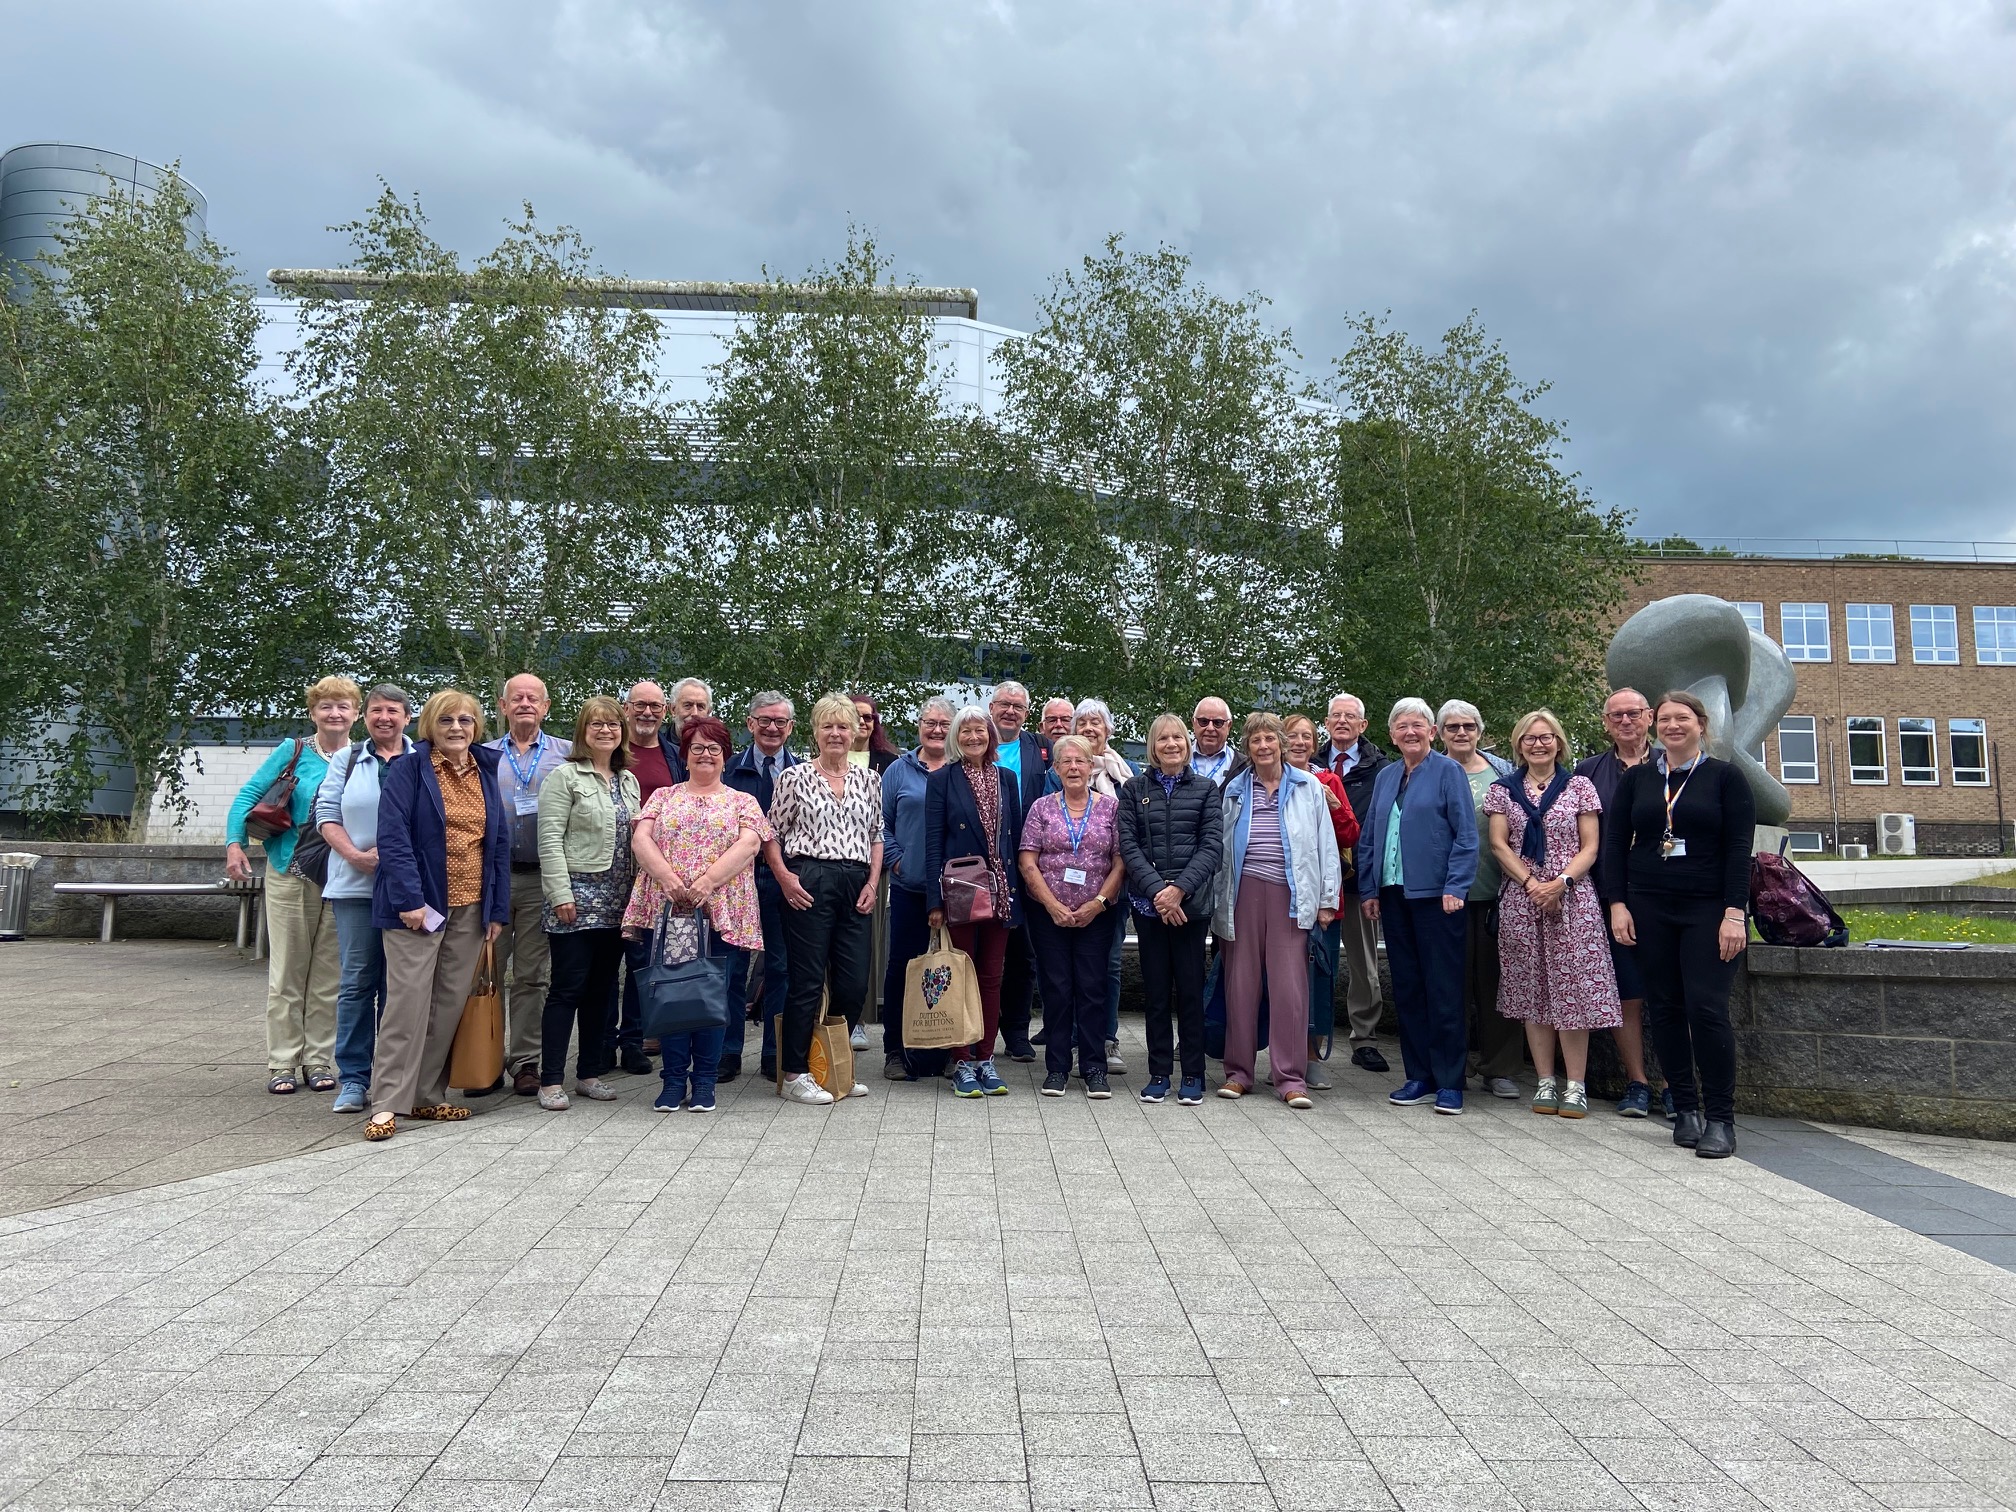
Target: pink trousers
{"points": [[1266, 946]]}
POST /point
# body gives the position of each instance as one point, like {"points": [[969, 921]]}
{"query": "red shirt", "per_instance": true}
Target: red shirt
{"points": [[1341, 818], [651, 769]]}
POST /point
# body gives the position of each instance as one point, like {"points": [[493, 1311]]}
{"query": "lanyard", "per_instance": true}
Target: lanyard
{"points": [[1076, 831], [1673, 795], [524, 774]]}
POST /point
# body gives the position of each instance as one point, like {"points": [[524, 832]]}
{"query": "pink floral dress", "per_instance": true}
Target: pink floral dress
{"points": [[692, 831], [1554, 969]]}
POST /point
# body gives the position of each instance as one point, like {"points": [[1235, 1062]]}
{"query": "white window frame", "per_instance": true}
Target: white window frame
{"points": [[1998, 647], [1807, 772], [1935, 649], [1878, 625], [1752, 611], [1805, 842], [1804, 650], [1926, 730], [1866, 725], [1967, 774]]}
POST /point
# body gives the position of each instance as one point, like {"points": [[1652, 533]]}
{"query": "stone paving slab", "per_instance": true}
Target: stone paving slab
{"points": [[912, 1301]]}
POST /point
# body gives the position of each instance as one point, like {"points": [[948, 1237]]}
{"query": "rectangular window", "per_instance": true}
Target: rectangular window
{"points": [[1995, 635], [1872, 637], [1753, 614], [1798, 749], [1935, 634], [1967, 748], [1868, 759], [1803, 634], [1805, 842], [1918, 752]]}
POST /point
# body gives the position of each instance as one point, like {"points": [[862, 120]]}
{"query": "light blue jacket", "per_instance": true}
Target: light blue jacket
{"points": [[1308, 842], [353, 803], [1438, 830]]}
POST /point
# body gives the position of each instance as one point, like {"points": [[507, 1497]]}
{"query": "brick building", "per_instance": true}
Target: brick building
{"points": [[1906, 689]]}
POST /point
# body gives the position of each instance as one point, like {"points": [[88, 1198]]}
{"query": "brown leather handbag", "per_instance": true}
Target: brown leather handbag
{"points": [[274, 813], [967, 886]]}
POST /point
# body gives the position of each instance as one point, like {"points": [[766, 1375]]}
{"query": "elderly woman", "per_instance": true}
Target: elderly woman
{"points": [[695, 844], [443, 891], [1553, 949], [304, 967], [1494, 1051], [1093, 723], [1417, 856], [1676, 856], [827, 813], [903, 864], [346, 813], [971, 810], [586, 806], [1071, 874], [1282, 874], [1172, 836], [1298, 732]]}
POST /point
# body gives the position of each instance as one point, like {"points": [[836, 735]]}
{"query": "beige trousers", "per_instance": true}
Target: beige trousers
{"points": [[427, 980], [526, 962], [1360, 959], [301, 977]]}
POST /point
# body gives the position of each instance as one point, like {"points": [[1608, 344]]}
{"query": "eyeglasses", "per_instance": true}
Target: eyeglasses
{"points": [[605, 724], [1459, 727], [1627, 713], [645, 708], [1542, 738], [702, 748], [457, 720], [1010, 703], [771, 721]]}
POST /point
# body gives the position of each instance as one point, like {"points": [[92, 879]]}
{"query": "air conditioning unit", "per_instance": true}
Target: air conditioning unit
{"points": [[1897, 834], [1854, 853]]}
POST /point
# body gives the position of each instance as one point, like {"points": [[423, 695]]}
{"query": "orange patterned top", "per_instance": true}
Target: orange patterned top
{"points": [[462, 803]]}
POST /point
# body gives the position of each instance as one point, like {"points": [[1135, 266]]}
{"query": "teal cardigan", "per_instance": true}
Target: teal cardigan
{"points": [[307, 783]]}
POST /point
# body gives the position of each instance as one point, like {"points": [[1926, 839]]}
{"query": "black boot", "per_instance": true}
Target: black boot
{"points": [[1687, 1129], [1717, 1141], [729, 1068]]}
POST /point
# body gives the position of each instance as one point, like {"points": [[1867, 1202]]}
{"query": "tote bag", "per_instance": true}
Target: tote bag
{"points": [[689, 998], [829, 1057], [941, 997], [476, 1059]]}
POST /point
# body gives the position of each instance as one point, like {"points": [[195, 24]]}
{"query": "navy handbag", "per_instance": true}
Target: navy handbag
{"points": [[689, 998]]}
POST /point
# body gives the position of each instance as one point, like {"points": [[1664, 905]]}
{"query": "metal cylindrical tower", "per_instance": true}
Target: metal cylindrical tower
{"points": [[44, 184]]}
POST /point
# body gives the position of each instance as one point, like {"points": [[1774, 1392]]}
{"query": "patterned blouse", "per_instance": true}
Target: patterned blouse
{"points": [[1047, 834], [693, 831], [986, 791], [463, 807], [812, 823], [600, 897]]}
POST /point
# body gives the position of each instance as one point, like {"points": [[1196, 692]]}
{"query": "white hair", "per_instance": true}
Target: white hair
{"points": [[1350, 698], [1411, 706], [1094, 706], [1458, 706], [692, 682], [965, 717], [940, 702], [771, 696], [1009, 686]]}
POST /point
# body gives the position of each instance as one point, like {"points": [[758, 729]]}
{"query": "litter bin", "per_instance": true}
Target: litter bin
{"points": [[16, 870]]}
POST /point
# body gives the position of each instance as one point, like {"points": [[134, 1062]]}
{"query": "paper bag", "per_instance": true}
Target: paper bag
{"points": [[830, 1056], [941, 998]]}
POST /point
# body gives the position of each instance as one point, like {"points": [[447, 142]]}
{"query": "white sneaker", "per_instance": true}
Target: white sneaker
{"points": [[553, 1099], [1114, 1065], [859, 1038], [1501, 1086], [802, 1089], [594, 1090], [1315, 1079]]}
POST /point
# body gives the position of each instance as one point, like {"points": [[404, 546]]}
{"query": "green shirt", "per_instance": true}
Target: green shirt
{"points": [[1485, 888], [1392, 872]]}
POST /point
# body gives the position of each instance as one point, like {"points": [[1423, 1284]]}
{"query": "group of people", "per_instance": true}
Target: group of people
{"points": [[1519, 898]]}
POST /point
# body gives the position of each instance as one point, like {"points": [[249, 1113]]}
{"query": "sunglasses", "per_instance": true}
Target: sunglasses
{"points": [[1210, 724], [1459, 727]]}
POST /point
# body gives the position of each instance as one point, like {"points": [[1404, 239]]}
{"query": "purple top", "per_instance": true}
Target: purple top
{"points": [[1047, 831], [1265, 860]]}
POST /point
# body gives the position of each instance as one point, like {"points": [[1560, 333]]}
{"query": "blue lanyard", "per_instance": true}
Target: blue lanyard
{"points": [[1076, 832], [511, 755]]}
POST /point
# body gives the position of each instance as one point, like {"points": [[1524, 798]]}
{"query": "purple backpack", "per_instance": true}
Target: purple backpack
{"points": [[1788, 908]]}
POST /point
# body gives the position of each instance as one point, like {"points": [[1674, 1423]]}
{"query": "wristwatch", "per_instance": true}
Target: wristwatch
{"points": [[1103, 903]]}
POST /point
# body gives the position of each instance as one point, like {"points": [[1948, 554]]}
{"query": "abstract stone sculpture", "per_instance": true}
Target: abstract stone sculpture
{"points": [[1702, 645]]}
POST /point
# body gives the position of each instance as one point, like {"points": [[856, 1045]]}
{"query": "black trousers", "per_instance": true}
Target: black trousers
{"points": [[1424, 951], [1019, 976], [583, 993], [830, 942], [909, 936], [1073, 965], [1172, 976], [1687, 999]]}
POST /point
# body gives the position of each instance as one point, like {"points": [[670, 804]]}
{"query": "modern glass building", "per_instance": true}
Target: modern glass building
{"points": [[44, 184]]}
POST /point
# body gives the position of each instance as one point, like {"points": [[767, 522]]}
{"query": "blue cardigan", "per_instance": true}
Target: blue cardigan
{"points": [[413, 841], [1438, 831], [952, 829]]}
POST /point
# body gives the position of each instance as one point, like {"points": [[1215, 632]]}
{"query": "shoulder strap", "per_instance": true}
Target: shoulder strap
{"points": [[351, 770], [293, 761]]}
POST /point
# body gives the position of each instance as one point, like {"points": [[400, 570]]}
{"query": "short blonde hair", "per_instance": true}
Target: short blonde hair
{"points": [[1526, 722], [448, 701], [334, 689], [834, 708], [1077, 743], [1163, 722]]}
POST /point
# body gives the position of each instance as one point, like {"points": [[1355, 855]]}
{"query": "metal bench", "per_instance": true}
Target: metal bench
{"points": [[251, 917]]}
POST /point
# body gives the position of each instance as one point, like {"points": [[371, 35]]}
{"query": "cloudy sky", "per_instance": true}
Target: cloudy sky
{"points": [[1765, 252]]}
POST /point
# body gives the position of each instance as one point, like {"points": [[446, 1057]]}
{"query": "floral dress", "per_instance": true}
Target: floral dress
{"points": [[693, 831], [1554, 969], [600, 897]]}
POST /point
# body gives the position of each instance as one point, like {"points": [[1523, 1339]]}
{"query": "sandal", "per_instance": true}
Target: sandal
{"points": [[381, 1128], [322, 1080], [440, 1113], [283, 1084]]}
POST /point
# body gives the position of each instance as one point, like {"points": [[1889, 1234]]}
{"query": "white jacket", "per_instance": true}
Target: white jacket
{"points": [[1308, 840]]}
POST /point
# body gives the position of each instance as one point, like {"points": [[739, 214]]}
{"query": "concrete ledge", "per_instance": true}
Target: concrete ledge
{"points": [[1983, 902], [186, 917]]}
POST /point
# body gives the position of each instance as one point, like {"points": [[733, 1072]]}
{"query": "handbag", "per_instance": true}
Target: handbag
{"points": [[688, 998], [941, 998], [273, 814], [476, 1059], [967, 887], [311, 852]]}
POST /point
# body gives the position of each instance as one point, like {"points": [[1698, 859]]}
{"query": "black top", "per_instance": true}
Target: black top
{"points": [[1714, 814], [1604, 772], [1167, 837]]}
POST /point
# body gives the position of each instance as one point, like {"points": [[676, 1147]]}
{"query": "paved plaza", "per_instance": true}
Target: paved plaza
{"points": [[215, 1299]]}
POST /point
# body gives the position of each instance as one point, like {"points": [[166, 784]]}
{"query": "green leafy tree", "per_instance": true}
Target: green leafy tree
{"points": [[828, 538], [172, 547], [1462, 560], [1159, 430], [498, 451]]}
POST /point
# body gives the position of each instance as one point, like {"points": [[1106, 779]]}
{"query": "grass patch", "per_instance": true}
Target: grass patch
{"points": [[1865, 924], [1993, 879]]}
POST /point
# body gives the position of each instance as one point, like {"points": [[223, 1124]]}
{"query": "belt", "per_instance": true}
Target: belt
{"points": [[829, 860]]}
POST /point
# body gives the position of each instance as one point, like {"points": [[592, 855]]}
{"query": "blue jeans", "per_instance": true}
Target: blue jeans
{"points": [[776, 979], [360, 993], [695, 1057]]}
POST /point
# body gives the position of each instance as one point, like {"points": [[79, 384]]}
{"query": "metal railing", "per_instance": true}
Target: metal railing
{"points": [[1817, 548]]}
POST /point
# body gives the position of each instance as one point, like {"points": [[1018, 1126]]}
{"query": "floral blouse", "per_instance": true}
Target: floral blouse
{"points": [[1046, 834], [693, 831]]}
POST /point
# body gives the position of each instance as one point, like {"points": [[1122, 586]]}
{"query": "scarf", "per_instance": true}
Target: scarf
{"points": [[987, 799], [1533, 844]]}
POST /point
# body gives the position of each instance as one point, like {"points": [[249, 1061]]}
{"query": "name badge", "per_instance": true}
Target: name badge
{"points": [[1674, 848], [528, 803], [1075, 876]]}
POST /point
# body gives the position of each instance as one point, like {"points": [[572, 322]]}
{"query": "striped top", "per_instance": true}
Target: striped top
{"points": [[1265, 860], [462, 804]]}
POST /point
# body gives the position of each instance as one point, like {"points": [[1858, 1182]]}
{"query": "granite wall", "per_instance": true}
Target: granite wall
{"points": [[170, 918]]}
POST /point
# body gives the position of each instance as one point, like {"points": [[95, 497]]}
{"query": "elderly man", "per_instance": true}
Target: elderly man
{"points": [[1627, 719], [1026, 754], [655, 764], [691, 699], [529, 753], [1211, 752], [754, 770], [1356, 759], [1058, 716]]}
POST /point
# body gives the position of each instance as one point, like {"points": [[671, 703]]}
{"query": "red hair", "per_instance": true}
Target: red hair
{"points": [[705, 727]]}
